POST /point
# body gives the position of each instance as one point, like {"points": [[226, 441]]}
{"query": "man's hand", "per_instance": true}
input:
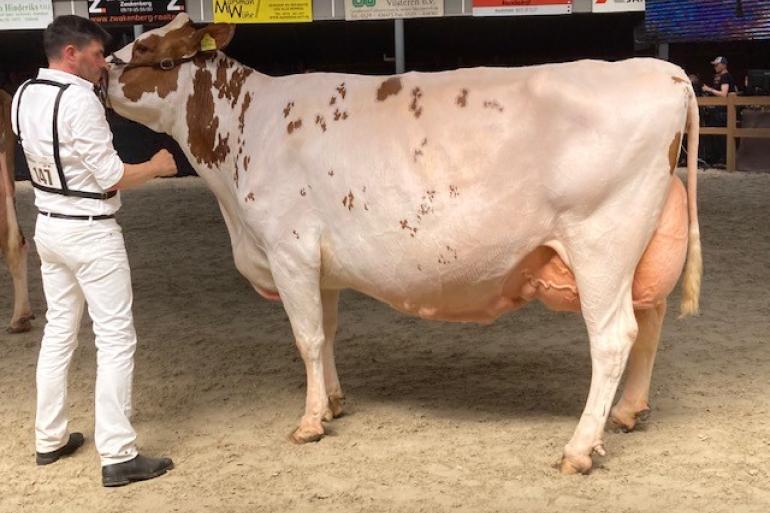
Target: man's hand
{"points": [[163, 163]]}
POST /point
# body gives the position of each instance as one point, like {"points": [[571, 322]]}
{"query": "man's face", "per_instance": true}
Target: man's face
{"points": [[719, 67], [89, 61]]}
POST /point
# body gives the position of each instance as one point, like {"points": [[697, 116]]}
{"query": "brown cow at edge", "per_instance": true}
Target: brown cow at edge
{"points": [[12, 243]]}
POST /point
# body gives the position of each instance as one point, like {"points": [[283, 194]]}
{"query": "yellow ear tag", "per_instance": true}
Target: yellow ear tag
{"points": [[208, 43]]}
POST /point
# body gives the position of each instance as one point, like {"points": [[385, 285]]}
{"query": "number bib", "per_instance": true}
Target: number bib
{"points": [[42, 171]]}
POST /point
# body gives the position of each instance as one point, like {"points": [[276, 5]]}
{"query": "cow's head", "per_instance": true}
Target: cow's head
{"points": [[147, 75]]}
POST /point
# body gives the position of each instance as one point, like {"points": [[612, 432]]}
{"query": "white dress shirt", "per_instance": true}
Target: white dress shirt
{"points": [[88, 158]]}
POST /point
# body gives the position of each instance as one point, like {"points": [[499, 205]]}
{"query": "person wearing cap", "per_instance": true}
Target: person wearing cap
{"points": [[77, 174], [723, 82], [715, 146]]}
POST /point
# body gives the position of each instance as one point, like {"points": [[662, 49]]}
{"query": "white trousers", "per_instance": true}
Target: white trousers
{"points": [[86, 262]]}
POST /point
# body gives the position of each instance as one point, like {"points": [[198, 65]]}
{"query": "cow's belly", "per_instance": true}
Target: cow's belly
{"points": [[490, 305], [543, 275]]}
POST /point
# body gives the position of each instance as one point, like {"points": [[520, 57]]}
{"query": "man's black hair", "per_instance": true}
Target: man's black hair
{"points": [[71, 30]]}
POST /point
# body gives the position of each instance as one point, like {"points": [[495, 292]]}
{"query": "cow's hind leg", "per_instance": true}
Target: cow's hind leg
{"points": [[330, 300], [297, 278], [634, 404], [607, 307], [16, 258]]}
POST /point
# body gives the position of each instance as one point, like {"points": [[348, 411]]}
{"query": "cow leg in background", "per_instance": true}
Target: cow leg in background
{"points": [[14, 251], [607, 308], [329, 301], [634, 403], [22, 312]]}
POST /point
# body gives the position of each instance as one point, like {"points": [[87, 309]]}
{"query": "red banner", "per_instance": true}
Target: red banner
{"points": [[520, 7]]}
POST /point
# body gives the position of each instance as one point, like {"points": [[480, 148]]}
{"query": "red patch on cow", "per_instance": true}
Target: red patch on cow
{"points": [[390, 87], [287, 109], [462, 99], [294, 125], [230, 89], [145, 79], [451, 256], [415, 105], [673, 151], [244, 108], [206, 144], [320, 121], [405, 226], [340, 115], [347, 201]]}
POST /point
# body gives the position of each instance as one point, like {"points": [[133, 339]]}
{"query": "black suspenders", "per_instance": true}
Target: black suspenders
{"points": [[65, 190]]}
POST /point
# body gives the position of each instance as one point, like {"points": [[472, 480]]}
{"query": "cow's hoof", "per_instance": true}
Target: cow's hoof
{"points": [[328, 416], [23, 325], [336, 406], [575, 465], [306, 434], [626, 420]]}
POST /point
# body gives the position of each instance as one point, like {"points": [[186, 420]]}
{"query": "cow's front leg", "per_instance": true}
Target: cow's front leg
{"points": [[297, 277], [634, 404], [330, 300]]}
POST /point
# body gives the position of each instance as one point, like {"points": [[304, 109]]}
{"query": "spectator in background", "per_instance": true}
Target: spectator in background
{"points": [[715, 146], [723, 82]]}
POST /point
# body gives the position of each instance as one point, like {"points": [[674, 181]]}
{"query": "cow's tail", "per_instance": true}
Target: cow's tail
{"points": [[693, 270]]}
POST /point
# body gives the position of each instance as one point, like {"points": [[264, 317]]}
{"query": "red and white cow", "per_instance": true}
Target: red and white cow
{"points": [[13, 247], [456, 196]]}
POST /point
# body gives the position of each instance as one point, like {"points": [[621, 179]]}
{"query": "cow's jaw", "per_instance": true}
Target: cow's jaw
{"points": [[150, 110]]}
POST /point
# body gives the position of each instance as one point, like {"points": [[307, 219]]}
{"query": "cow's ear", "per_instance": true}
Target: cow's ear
{"points": [[214, 37]]}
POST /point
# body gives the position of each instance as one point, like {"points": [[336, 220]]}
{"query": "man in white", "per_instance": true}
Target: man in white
{"points": [[76, 174]]}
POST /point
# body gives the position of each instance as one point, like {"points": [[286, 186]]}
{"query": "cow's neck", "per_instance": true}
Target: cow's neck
{"points": [[209, 126]]}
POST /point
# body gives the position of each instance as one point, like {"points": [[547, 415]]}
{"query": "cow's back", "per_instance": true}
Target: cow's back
{"points": [[497, 127]]}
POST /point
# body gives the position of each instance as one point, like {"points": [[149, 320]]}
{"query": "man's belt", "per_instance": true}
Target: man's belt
{"points": [[80, 218]]}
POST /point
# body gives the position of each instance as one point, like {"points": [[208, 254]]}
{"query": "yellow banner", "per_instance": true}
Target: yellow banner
{"points": [[262, 11]]}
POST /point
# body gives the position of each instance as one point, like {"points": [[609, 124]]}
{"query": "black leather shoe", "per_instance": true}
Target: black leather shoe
{"points": [[72, 445], [140, 468]]}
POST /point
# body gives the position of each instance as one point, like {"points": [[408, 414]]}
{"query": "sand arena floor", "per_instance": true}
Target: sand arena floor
{"points": [[441, 417]]}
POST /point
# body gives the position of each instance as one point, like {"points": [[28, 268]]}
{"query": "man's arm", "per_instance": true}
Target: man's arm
{"points": [[92, 140], [722, 91], [161, 164]]}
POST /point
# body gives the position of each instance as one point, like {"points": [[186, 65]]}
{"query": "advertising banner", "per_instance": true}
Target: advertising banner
{"points": [[520, 7], [262, 11], [134, 12]]}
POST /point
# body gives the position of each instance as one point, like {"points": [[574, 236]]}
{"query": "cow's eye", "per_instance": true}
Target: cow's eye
{"points": [[141, 49]]}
